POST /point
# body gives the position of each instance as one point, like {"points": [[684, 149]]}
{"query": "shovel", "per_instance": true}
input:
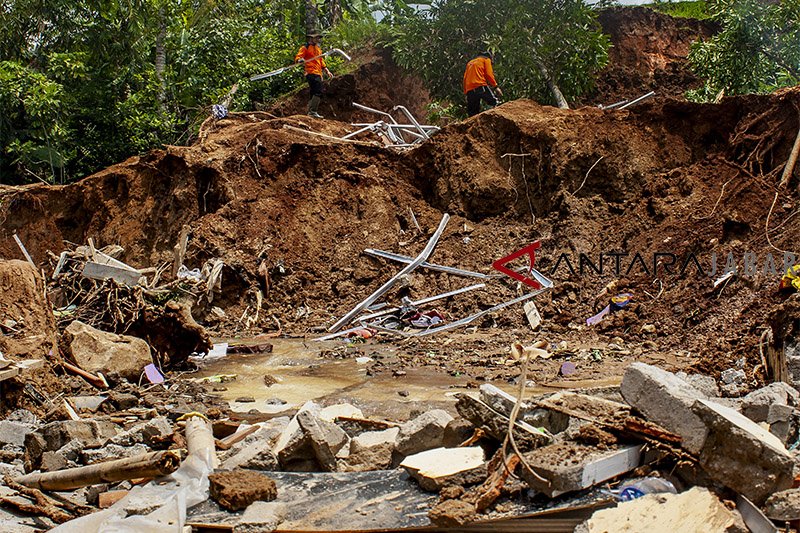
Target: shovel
{"points": [[284, 69]]}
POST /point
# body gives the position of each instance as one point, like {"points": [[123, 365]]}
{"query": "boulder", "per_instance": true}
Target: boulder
{"points": [[98, 351]]}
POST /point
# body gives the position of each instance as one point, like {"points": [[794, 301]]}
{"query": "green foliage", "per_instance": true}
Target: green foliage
{"points": [[690, 10], [562, 38], [756, 51], [85, 84]]}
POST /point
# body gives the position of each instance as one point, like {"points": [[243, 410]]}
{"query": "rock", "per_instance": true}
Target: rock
{"points": [[694, 511], [452, 513], [434, 469], [372, 450], [755, 405], [153, 432], [237, 489], [53, 436], [665, 399], [293, 443], [98, 351], [570, 467], [255, 451], [457, 431], [503, 402], [423, 433], [14, 432], [705, 384], [326, 438], [123, 400], [649, 328], [24, 416], [112, 451], [341, 410], [783, 506], [495, 424], [52, 461], [261, 517], [742, 455]]}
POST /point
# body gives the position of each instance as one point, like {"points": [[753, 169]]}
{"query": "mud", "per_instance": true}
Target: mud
{"points": [[290, 214]]}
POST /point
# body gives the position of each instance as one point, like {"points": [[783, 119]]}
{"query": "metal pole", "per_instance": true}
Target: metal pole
{"points": [[636, 101], [421, 258], [432, 266], [408, 114]]}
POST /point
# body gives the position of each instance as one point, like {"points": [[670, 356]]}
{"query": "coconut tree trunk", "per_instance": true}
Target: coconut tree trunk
{"points": [[551, 84], [334, 9]]}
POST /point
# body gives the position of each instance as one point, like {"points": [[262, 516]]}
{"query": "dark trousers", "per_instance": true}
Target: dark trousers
{"points": [[315, 84], [475, 96]]}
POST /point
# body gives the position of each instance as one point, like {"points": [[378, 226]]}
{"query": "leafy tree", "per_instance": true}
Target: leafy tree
{"points": [[755, 52], [547, 50]]}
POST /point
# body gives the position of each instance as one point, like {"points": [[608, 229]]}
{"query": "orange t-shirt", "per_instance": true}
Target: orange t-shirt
{"points": [[479, 73], [308, 51]]}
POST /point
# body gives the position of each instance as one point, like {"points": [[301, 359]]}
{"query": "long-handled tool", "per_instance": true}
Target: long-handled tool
{"points": [[284, 69]]}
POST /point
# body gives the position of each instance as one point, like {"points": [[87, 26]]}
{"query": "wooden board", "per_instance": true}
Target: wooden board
{"points": [[121, 275]]}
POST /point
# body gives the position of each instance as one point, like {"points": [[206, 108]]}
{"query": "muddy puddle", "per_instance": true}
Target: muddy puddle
{"points": [[294, 372]]}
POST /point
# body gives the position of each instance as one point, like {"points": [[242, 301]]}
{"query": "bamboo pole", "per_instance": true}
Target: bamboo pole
{"points": [[97, 381], [149, 465], [200, 440]]}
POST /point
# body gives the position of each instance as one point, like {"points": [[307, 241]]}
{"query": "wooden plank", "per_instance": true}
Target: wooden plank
{"points": [[99, 271]]}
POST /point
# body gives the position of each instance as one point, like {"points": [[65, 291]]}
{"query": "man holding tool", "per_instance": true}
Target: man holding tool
{"points": [[310, 55], [478, 81]]}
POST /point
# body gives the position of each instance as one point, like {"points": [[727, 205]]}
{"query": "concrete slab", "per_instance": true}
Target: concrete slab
{"points": [[441, 466]]}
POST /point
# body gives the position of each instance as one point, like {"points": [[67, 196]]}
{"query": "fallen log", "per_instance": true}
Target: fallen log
{"points": [[149, 465]]}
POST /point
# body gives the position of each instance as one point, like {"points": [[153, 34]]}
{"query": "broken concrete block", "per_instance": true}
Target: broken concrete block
{"points": [[293, 443], [666, 399], [452, 514], [569, 467], [256, 455], [784, 505], [14, 432], [503, 402], [53, 436], [98, 351], [496, 424], [261, 517], [112, 451], [326, 438], [152, 433], [52, 461], [705, 384], [345, 410], [372, 450], [436, 468], [423, 433], [237, 489], [755, 405], [457, 431], [694, 511], [742, 455]]}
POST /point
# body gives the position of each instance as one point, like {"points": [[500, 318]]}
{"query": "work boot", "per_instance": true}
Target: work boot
{"points": [[313, 105]]}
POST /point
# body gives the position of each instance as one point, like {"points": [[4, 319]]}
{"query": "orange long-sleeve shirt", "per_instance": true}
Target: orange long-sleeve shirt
{"points": [[479, 73], [307, 52]]}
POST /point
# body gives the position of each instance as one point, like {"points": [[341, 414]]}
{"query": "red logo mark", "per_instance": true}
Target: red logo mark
{"points": [[530, 251]]}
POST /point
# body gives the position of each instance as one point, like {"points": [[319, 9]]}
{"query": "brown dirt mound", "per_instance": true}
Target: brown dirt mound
{"points": [[648, 53]]}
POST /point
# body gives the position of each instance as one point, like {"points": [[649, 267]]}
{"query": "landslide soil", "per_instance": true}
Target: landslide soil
{"points": [[291, 212]]}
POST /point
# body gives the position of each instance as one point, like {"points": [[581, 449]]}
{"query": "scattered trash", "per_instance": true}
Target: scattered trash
{"points": [[617, 302], [567, 369], [649, 485], [153, 374]]}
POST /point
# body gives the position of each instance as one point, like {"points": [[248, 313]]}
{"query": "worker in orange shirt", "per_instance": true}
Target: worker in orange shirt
{"points": [[314, 69], [478, 83]]}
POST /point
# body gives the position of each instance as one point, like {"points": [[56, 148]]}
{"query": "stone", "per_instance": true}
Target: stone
{"points": [[237, 489], [755, 405], [293, 443], [667, 400], [52, 461], [53, 436], [112, 451], [261, 517], [98, 351], [123, 400], [340, 410], [14, 432], [784, 505], [742, 455], [694, 511], [457, 431], [326, 438], [495, 424], [705, 384], [423, 432], [570, 467], [452, 514], [372, 450], [504, 402], [255, 451], [24, 416], [434, 469], [153, 433]]}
